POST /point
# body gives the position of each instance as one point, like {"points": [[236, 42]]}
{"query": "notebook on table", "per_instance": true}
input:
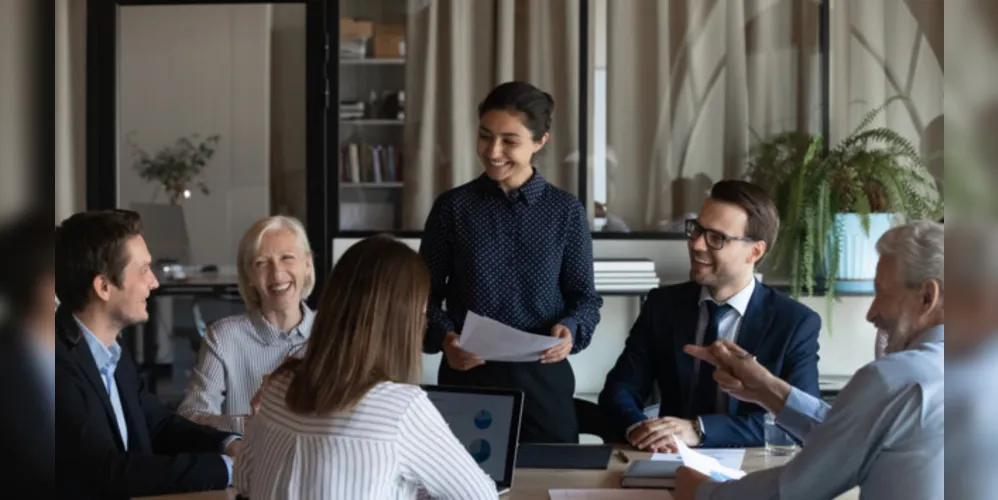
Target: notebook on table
{"points": [[651, 474]]}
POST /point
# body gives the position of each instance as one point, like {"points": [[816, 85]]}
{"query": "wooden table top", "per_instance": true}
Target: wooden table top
{"points": [[533, 484]]}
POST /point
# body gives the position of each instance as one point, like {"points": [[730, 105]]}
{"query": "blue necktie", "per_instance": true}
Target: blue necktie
{"points": [[703, 399]]}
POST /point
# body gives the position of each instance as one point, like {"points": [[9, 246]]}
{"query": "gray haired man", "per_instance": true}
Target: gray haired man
{"points": [[885, 431]]}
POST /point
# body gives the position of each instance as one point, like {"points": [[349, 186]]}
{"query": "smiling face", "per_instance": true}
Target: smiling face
{"points": [[735, 260], [896, 310], [126, 304], [506, 147], [278, 270]]}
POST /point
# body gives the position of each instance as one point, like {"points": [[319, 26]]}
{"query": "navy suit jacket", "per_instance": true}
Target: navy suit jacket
{"points": [[166, 453], [781, 332]]}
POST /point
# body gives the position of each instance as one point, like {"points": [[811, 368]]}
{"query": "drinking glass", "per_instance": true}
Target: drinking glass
{"points": [[778, 441]]}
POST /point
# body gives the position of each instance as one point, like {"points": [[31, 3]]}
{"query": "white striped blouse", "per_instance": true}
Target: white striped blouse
{"points": [[392, 445], [236, 352]]}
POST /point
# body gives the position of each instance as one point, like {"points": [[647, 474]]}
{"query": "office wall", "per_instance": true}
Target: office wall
{"points": [[18, 23], [287, 167], [200, 69], [843, 350]]}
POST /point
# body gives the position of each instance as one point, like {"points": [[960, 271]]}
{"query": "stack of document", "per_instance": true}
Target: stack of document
{"points": [[625, 275], [709, 465], [491, 340]]}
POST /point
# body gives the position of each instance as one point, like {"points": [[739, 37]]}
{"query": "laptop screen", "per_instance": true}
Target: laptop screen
{"points": [[486, 422]]}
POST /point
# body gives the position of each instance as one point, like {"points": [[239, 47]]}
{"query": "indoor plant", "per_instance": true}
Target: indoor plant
{"points": [[835, 203], [176, 168]]}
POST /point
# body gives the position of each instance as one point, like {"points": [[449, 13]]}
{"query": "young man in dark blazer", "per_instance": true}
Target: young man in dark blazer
{"points": [[115, 439], [736, 226]]}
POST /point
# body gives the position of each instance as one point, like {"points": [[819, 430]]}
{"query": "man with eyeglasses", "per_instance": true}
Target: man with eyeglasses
{"points": [[736, 226]]}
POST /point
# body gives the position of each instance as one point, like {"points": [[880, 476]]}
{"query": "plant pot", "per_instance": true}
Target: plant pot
{"points": [[858, 256]]}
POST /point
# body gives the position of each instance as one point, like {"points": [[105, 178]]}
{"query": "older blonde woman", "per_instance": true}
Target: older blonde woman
{"points": [[275, 271]]}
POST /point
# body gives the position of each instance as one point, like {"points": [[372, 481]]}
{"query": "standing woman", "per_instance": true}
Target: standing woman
{"points": [[512, 247]]}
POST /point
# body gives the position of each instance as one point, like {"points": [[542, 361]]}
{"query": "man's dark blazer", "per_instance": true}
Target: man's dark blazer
{"points": [[26, 433], [166, 453], [781, 332]]}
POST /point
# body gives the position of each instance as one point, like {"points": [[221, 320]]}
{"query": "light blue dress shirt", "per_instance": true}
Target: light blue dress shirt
{"points": [[884, 434], [107, 358]]}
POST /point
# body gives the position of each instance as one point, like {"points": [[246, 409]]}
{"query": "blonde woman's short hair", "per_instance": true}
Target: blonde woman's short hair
{"points": [[250, 244]]}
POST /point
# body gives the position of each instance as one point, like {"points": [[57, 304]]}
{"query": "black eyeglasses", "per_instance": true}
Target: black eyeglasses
{"points": [[714, 239]]}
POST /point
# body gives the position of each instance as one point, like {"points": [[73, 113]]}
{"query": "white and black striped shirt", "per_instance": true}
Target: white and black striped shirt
{"points": [[235, 354], [392, 445]]}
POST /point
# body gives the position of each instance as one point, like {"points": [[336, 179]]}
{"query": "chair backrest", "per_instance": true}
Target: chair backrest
{"points": [[593, 421]]}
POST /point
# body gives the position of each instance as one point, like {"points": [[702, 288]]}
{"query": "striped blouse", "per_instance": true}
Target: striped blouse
{"points": [[392, 445], [236, 352]]}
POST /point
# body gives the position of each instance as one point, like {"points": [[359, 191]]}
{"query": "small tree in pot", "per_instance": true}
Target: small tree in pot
{"points": [[830, 200], [177, 168]]}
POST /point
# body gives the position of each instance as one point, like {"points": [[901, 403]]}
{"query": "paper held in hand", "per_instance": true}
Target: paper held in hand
{"points": [[708, 466], [493, 341]]}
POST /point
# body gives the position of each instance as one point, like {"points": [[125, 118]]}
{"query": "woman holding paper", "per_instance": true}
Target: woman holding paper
{"points": [[511, 247]]}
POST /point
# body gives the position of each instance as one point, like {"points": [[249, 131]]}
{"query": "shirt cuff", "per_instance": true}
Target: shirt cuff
{"points": [[572, 324], [228, 468], [228, 440], [800, 412]]}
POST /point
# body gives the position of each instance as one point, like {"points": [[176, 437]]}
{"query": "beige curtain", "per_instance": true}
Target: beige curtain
{"points": [[971, 106], [457, 51], [882, 49], [70, 100], [689, 84]]}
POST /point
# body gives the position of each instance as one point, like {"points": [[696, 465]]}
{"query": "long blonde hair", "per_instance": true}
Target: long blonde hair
{"points": [[368, 328]]}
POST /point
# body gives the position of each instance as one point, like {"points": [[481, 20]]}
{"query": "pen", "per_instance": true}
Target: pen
{"points": [[621, 455]]}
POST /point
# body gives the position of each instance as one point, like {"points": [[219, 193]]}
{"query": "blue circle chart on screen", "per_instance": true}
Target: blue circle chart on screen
{"points": [[483, 419], [481, 450]]}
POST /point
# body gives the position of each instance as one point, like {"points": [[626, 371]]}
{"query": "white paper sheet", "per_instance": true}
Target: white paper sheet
{"points": [[706, 465], [728, 457], [493, 341], [608, 494]]}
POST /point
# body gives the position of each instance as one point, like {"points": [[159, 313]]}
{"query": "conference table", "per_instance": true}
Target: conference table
{"points": [[534, 484]]}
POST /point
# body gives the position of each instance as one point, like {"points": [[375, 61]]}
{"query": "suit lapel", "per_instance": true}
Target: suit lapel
{"points": [[754, 325], [84, 359], [88, 366], [684, 314], [128, 391]]}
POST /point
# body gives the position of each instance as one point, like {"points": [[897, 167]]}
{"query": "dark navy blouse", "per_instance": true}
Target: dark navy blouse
{"points": [[524, 258]]}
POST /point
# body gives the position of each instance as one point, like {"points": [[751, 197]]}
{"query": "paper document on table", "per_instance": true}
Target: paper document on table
{"points": [[706, 465], [493, 341], [728, 457], [607, 494]]}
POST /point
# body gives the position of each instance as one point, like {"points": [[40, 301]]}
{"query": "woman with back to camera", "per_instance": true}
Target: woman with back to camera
{"points": [[512, 247], [347, 420]]}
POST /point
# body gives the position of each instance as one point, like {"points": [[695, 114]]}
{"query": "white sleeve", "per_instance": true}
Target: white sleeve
{"points": [[205, 390], [435, 460]]}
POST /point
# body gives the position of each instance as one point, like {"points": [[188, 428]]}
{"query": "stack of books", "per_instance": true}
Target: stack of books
{"points": [[625, 275]]}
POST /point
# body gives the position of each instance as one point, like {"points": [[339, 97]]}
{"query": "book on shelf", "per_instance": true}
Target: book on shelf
{"points": [[370, 163]]}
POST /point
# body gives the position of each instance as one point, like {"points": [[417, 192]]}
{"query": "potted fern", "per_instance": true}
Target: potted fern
{"points": [[836, 203]]}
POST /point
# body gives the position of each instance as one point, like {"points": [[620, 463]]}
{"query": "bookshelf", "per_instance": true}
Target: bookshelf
{"points": [[371, 114]]}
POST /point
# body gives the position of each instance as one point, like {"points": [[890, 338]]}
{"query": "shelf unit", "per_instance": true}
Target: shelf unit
{"points": [[372, 115]]}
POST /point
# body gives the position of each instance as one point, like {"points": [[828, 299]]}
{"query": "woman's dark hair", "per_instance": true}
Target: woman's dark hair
{"points": [[534, 104]]}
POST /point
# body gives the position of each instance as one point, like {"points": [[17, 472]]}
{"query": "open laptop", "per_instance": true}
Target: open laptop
{"points": [[487, 423]]}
